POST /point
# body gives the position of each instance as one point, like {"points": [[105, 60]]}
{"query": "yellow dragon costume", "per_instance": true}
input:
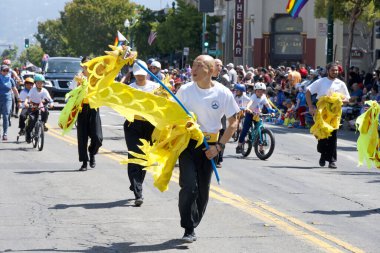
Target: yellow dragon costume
{"points": [[327, 116], [368, 144], [173, 127]]}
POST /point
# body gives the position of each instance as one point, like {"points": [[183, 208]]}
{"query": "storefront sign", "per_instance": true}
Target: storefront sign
{"points": [[239, 28]]}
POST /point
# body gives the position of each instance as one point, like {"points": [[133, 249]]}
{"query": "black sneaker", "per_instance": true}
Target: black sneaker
{"points": [[189, 237], [239, 149], [332, 165], [322, 162], [92, 161], [139, 202], [45, 128], [22, 132]]}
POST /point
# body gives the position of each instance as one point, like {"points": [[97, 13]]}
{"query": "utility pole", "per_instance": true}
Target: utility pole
{"points": [[204, 23], [330, 31]]}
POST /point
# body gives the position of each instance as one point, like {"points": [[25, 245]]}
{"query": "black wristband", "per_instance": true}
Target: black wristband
{"points": [[221, 145]]}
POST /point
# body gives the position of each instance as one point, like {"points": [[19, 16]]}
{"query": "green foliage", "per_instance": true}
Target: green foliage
{"points": [[9, 53], [33, 54], [147, 22], [52, 38], [343, 9], [183, 28], [91, 25]]}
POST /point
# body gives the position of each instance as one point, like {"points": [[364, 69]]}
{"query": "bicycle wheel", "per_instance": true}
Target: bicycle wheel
{"points": [[264, 148], [247, 144], [236, 134], [41, 137], [35, 135]]}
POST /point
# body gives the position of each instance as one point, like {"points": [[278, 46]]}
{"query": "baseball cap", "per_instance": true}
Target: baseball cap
{"points": [[230, 65], [3, 67], [137, 70], [156, 64]]}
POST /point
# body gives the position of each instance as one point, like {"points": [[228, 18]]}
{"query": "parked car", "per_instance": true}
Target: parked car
{"points": [[59, 73]]}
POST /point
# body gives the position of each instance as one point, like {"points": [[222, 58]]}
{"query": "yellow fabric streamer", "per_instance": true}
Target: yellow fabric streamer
{"points": [[327, 116], [173, 127], [368, 143], [69, 113]]}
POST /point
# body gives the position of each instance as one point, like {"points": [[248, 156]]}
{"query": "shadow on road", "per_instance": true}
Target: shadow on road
{"points": [[120, 247], [354, 173], [360, 213], [114, 138], [296, 167], [347, 148], [119, 203], [44, 171]]}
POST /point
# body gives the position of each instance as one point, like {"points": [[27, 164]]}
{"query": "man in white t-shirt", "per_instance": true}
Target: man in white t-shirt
{"points": [[136, 130], [324, 87], [209, 100]]}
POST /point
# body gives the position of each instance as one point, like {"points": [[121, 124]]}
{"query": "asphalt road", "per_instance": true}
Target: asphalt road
{"points": [[285, 204]]}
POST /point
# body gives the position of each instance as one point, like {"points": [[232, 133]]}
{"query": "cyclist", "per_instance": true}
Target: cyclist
{"points": [[240, 97], [254, 107], [36, 97], [28, 83]]}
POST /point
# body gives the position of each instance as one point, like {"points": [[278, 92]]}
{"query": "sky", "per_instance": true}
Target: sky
{"points": [[19, 18]]}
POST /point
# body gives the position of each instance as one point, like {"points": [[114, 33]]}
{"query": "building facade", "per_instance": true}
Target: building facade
{"points": [[261, 33]]}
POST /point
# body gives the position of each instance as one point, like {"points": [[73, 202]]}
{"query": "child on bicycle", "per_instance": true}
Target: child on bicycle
{"points": [[35, 99], [254, 107], [28, 84], [240, 97]]}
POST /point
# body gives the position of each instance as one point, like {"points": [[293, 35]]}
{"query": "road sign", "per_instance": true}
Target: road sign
{"points": [[215, 52], [186, 51]]}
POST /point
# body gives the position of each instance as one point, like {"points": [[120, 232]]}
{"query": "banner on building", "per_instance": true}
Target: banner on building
{"points": [[239, 29]]}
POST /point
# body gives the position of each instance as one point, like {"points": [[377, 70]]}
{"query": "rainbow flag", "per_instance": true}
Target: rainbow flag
{"points": [[120, 39], [295, 6]]}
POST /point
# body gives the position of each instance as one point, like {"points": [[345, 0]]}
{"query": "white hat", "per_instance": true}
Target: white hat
{"points": [[137, 70], [230, 65], [156, 64]]}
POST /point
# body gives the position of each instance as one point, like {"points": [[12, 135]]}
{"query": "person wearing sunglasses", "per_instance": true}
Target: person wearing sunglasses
{"points": [[7, 85]]}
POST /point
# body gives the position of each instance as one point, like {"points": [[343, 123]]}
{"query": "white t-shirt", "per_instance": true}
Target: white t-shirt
{"points": [[258, 103], [242, 101], [23, 94], [148, 87], [209, 105], [37, 97], [325, 87]]}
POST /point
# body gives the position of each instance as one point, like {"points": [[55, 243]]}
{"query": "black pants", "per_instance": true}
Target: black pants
{"points": [[133, 132], [89, 125], [22, 118], [194, 180], [327, 147], [33, 116]]}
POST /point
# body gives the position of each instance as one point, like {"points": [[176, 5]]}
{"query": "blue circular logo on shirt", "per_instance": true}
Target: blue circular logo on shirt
{"points": [[215, 104]]}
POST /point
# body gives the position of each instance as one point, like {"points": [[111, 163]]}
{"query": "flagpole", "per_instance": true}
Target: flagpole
{"points": [[187, 112]]}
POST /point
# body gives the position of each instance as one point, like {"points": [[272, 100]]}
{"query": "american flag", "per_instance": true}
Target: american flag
{"points": [[152, 37]]}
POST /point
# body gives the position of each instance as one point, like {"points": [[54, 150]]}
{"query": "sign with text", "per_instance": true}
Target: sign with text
{"points": [[239, 28]]}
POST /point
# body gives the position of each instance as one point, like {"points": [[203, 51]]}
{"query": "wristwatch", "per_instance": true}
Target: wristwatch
{"points": [[221, 145]]}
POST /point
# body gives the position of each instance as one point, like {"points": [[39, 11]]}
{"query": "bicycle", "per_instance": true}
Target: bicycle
{"points": [[37, 134], [261, 138]]}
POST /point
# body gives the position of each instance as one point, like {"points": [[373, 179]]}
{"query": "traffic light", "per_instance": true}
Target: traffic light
{"points": [[206, 42], [26, 43], [377, 29]]}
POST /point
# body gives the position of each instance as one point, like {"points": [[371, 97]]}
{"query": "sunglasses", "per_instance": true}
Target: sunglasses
{"points": [[5, 70]]}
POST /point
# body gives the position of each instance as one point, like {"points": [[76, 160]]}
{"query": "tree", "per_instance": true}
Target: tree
{"points": [[52, 38], [148, 21], [350, 11], [182, 28], [91, 25], [10, 53], [33, 54]]}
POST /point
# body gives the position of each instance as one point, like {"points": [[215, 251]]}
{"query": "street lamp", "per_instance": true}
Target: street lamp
{"points": [[127, 24]]}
